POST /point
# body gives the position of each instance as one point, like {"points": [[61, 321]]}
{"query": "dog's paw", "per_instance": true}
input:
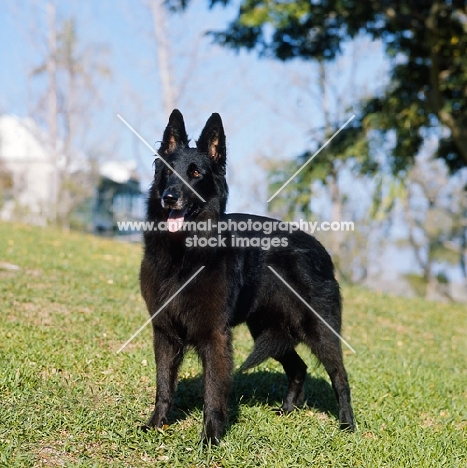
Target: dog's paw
{"points": [[346, 419], [145, 428], [210, 440], [286, 408], [150, 427], [213, 430], [347, 427]]}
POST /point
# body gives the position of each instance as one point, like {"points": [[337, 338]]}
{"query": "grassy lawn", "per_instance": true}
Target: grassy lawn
{"points": [[69, 400]]}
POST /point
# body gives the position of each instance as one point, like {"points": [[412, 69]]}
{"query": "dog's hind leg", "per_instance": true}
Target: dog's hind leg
{"points": [[216, 356], [272, 343], [169, 355], [328, 350], [295, 369]]}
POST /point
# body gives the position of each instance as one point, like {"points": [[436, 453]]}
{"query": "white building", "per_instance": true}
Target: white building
{"points": [[27, 181]]}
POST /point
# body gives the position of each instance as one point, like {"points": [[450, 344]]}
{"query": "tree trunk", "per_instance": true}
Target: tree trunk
{"points": [[52, 107], [161, 34]]}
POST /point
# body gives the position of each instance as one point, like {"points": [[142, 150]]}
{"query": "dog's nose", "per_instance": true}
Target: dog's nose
{"points": [[170, 197]]}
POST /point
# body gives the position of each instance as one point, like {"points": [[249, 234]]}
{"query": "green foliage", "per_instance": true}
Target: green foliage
{"points": [[418, 283], [286, 30], [350, 148], [388, 190], [69, 400], [434, 208], [426, 41]]}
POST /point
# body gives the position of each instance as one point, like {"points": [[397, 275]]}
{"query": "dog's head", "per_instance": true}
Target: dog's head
{"points": [[189, 183]]}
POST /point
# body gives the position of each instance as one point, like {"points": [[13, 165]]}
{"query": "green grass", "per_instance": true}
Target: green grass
{"points": [[69, 400]]}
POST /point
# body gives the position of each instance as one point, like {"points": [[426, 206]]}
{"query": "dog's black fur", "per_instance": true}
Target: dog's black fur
{"points": [[235, 286]]}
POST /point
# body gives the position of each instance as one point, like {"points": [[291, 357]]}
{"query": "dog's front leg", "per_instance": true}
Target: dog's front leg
{"points": [[169, 355], [216, 356]]}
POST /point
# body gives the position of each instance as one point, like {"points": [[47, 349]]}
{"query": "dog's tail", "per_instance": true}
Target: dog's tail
{"points": [[267, 345]]}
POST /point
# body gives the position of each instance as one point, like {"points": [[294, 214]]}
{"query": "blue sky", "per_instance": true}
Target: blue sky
{"points": [[265, 114]]}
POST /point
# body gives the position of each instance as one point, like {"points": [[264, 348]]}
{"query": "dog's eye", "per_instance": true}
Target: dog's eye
{"points": [[195, 173], [168, 171]]}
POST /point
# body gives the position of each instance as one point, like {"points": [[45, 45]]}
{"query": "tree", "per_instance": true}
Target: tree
{"points": [[426, 40], [71, 73], [322, 179], [434, 212], [170, 96]]}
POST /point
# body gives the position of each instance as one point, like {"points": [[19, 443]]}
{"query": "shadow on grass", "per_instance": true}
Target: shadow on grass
{"points": [[250, 389]]}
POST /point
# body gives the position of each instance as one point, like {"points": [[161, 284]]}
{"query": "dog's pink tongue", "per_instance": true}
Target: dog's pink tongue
{"points": [[175, 220]]}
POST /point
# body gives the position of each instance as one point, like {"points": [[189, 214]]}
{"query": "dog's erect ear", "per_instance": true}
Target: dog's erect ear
{"points": [[174, 134], [212, 139]]}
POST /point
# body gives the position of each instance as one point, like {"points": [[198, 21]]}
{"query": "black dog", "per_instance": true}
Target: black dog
{"points": [[235, 284]]}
